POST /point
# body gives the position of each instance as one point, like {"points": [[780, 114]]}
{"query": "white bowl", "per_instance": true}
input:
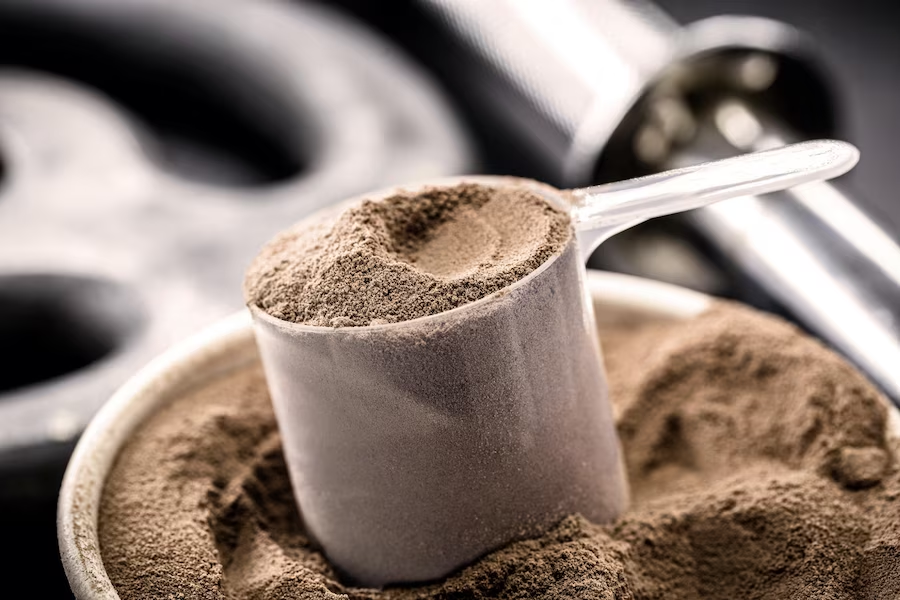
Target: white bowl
{"points": [[228, 345]]}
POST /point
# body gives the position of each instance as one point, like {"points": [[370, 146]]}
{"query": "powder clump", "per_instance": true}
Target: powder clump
{"points": [[759, 462], [406, 256]]}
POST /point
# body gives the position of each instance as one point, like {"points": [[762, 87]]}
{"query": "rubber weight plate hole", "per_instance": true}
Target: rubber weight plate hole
{"points": [[52, 326]]}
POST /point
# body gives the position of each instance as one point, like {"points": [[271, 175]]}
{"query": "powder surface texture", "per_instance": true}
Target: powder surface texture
{"points": [[759, 463], [406, 256]]}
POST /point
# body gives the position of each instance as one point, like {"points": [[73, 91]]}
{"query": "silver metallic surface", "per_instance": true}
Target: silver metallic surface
{"points": [[561, 74], [812, 249], [83, 197]]}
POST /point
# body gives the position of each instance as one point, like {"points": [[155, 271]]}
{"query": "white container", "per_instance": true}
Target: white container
{"points": [[229, 345]]}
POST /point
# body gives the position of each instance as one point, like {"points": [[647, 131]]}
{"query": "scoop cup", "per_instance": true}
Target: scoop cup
{"points": [[416, 447]]}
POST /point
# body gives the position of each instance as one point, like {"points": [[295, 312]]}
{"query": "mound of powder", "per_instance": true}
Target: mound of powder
{"points": [[759, 463], [406, 256]]}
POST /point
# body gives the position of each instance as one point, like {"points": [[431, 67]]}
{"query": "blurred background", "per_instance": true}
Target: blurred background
{"points": [[148, 148]]}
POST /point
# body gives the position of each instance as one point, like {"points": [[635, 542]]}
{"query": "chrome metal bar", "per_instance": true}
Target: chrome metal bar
{"points": [[811, 248]]}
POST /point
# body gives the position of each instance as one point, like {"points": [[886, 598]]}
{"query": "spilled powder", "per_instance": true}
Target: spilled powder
{"points": [[406, 256], [758, 460]]}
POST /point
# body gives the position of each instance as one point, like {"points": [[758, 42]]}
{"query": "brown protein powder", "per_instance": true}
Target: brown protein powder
{"points": [[759, 463], [406, 256]]}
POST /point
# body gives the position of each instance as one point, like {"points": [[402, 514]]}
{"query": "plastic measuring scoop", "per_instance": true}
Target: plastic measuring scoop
{"points": [[416, 447], [604, 210]]}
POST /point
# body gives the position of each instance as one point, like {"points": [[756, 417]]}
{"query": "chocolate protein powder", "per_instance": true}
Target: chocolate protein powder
{"points": [[406, 256], [759, 462]]}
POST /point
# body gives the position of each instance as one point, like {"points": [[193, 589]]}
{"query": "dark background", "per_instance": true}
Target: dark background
{"points": [[859, 42]]}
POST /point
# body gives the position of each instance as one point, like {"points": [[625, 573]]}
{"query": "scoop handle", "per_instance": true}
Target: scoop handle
{"points": [[602, 211]]}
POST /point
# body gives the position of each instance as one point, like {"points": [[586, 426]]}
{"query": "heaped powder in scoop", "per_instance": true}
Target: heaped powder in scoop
{"points": [[759, 461], [406, 256]]}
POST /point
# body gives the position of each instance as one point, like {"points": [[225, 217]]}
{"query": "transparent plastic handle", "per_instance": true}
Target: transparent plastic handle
{"points": [[602, 211]]}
